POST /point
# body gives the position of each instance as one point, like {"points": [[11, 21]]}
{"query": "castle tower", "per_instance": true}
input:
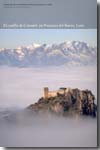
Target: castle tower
{"points": [[46, 90]]}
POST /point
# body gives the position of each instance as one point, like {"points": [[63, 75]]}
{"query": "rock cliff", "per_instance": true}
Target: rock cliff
{"points": [[75, 101]]}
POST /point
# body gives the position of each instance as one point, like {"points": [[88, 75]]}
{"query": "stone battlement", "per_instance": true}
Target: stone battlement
{"points": [[48, 93]]}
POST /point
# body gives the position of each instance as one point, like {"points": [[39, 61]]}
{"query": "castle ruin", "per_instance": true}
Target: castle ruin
{"points": [[70, 94], [66, 101], [48, 93]]}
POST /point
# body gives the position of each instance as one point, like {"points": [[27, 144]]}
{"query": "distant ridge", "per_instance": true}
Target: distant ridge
{"points": [[66, 53]]}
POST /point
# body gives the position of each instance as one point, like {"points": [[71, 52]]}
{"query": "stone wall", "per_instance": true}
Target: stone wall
{"points": [[48, 93]]}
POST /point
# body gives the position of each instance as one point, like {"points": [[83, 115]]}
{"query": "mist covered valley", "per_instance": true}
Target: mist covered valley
{"points": [[20, 87]]}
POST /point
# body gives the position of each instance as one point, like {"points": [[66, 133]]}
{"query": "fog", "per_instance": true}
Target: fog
{"points": [[23, 86], [20, 87], [26, 129]]}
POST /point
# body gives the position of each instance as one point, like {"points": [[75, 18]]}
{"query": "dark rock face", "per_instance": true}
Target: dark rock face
{"points": [[74, 101]]}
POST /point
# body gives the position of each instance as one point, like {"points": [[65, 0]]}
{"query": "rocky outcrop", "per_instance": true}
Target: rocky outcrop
{"points": [[72, 102]]}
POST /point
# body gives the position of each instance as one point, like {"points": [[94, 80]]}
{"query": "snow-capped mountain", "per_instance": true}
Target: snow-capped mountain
{"points": [[66, 53]]}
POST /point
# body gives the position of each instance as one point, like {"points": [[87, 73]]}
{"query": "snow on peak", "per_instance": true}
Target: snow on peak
{"points": [[66, 52], [33, 46], [2, 49]]}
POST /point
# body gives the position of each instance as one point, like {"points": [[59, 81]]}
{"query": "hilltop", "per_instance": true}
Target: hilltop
{"points": [[67, 102]]}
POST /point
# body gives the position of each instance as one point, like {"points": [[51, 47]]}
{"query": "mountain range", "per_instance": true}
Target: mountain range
{"points": [[65, 53]]}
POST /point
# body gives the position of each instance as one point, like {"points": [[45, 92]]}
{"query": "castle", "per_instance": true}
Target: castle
{"points": [[48, 93], [74, 101], [68, 92]]}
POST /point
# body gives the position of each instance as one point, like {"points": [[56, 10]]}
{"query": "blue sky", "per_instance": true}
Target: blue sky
{"points": [[12, 38]]}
